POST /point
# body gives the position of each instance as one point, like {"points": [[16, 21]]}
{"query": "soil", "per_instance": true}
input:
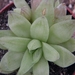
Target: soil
{"points": [[54, 69]]}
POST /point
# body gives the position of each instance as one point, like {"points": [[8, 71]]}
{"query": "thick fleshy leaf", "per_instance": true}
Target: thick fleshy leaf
{"points": [[66, 57], [50, 53], [20, 3], [2, 47], [24, 12], [40, 29], [4, 33], [34, 44], [11, 61], [4, 72], [26, 63], [60, 10], [70, 45], [61, 32], [16, 44], [46, 9], [41, 68], [37, 55], [19, 25], [63, 18]]}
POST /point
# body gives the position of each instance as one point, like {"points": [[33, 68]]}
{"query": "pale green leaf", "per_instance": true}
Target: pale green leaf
{"points": [[2, 47], [11, 61], [4, 33], [19, 25], [4, 72], [37, 55], [63, 18], [34, 44], [24, 11], [16, 44], [66, 57], [70, 45], [46, 9], [40, 29], [41, 68], [26, 63], [17, 10], [20, 3], [61, 32], [50, 53]]}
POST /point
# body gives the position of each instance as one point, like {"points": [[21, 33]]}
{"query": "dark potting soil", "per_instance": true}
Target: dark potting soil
{"points": [[54, 69]]}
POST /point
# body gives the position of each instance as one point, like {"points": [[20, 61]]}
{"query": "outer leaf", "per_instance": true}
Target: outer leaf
{"points": [[4, 72], [63, 18], [19, 25], [45, 8], [20, 3], [60, 10], [41, 68], [40, 29], [37, 55], [24, 11], [2, 47], [66, 57], [70, 45], [11, 61], [34, 44], [15, 43], [4, 33], [26, 63], [61, 32], [50, 53]]}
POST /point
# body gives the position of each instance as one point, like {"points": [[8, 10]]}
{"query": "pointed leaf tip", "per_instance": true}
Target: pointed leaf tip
{"points": [[66, 57], [61, 32], [16, 44], [11, 61], [19, 25], [33, 45], [20, 3], [37, 55], [70, 45], [48, 8], [50, 53], [40, 29]]}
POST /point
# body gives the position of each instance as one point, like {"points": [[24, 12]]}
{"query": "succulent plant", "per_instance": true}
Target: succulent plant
{"points": [[37, 35]]}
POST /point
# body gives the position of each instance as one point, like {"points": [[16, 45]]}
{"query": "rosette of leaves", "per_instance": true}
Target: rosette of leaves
{"points": [[37, 35]]}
